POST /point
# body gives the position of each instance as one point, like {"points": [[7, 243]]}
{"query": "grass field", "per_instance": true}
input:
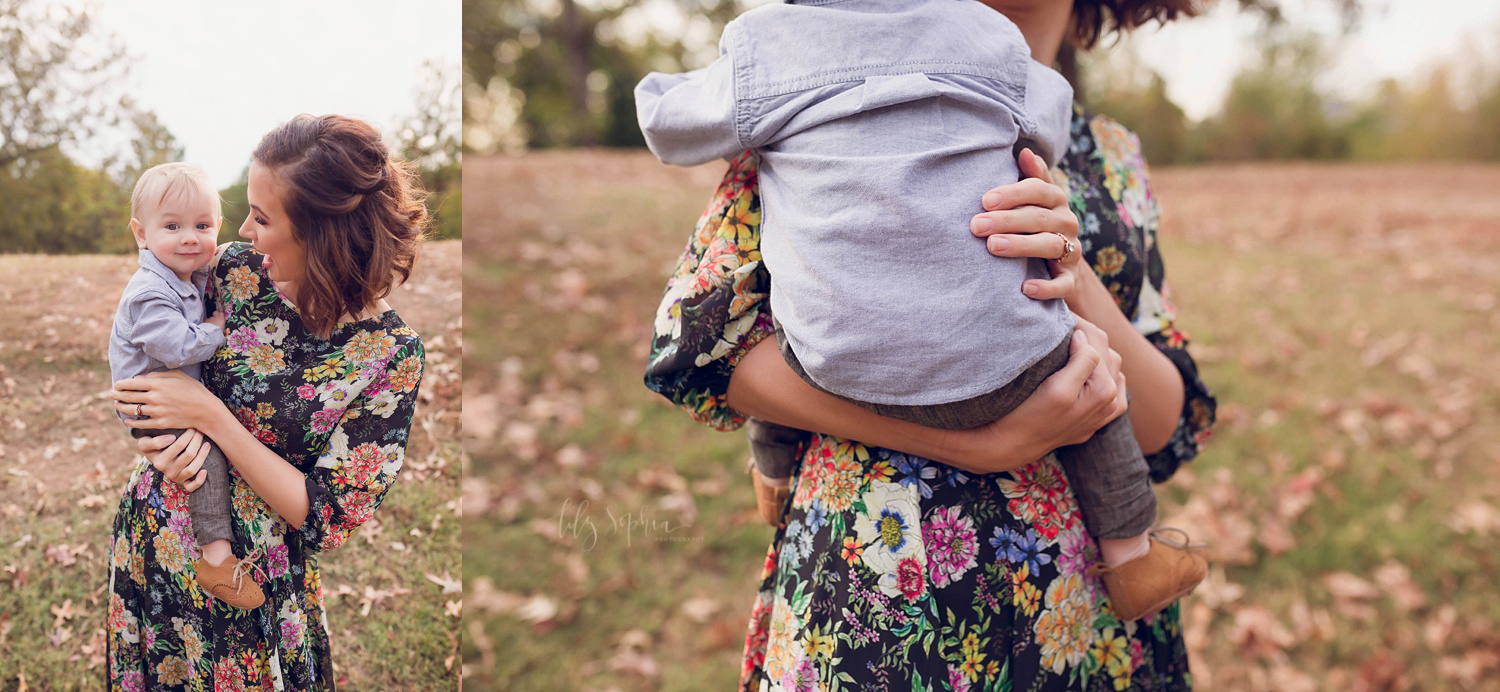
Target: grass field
{"points": [[64, 459], [1345, 315]]}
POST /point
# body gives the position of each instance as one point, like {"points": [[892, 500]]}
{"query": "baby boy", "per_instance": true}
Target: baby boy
{"points": [[175, 215]]}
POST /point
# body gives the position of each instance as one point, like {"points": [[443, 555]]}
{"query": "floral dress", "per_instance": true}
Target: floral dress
{"points": [[893, 571], [340, 411]]}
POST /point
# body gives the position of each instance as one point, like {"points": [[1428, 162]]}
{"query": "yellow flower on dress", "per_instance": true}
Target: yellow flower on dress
{"points": [[173, 670], [1113, 652], [169, 551], [368, 346], [973, 657], [264, 360], [1064, 629], [332, 367], [1109, 261], [242, 283], [819, 643], [407, 375]]}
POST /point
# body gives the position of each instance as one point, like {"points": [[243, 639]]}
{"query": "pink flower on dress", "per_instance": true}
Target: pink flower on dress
{"points": [[952, 545], [276, 561], [324, 420], [243, 340], [307, 391], [910, 579]]}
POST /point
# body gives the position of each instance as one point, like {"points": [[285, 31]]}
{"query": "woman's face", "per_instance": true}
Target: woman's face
{"points": [[269, 229]]}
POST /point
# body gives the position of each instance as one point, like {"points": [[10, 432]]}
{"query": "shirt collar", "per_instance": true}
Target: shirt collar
{"points": [[185, 289]]}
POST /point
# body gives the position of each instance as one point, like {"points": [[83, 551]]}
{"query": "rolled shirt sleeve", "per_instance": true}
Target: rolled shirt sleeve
{"points": [[691, 118]]}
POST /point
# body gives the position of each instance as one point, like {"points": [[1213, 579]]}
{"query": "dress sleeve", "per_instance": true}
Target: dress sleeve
{"points": [[715, 307], [365, 451], [1156, 318]]}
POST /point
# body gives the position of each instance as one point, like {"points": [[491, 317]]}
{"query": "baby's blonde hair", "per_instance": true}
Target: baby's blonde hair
{"points": [[169, 180]]}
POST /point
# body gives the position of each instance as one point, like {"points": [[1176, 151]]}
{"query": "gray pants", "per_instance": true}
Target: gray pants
{"points": [[209, 504], [1108, 472]]}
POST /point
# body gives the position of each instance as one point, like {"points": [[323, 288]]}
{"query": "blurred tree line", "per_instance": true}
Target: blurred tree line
{"points": [[555, 73], [56, 98]]}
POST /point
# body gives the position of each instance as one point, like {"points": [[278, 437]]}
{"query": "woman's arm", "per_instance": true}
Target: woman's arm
{"points": [[706, 355], [173, 400], [1021, 221], [1066, 409]]}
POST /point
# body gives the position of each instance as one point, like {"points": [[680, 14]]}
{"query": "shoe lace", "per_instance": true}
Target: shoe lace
{"points": [[247, 566], [1175, 538]]}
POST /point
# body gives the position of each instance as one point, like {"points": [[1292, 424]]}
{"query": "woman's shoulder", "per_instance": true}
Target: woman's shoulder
{"points": [[234, 254], [385, 332], [1101, 136]]}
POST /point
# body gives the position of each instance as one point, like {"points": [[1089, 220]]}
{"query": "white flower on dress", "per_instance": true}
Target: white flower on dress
{"points": [[891, 531], [338, 393], [384, 404], [270, 331], [338, 450]]}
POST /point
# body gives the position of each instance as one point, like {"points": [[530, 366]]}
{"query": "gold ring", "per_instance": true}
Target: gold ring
{"points": [[1068, 247], [138, 413]]}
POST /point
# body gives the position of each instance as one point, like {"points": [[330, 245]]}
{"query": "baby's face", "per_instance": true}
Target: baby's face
{"points": [[182, 232]]}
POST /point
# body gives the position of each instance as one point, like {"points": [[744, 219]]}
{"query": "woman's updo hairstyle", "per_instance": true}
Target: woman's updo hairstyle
{"points": [[1094, 18], [358, 211]]}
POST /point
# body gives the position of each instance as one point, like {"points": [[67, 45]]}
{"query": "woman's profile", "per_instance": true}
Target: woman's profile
{"points": [[311, 401]]}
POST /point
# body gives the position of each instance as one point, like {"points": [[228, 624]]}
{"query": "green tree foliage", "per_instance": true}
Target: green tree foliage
{"points": [[548, 73], [1277, 109], [54, 95], [1137, 98], [431, 139]]}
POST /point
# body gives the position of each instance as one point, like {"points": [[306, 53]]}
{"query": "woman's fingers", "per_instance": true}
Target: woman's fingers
{"points": [[1025, 192], [1042, 244], [195, 467], [196, 482], [1032, 166], [1083, 359], [1057, 287], [150, 445]]}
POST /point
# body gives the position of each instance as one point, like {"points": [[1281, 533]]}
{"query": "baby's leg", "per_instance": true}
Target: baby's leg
{"points": [[774, 449], [209, 507], [1113, 486]]}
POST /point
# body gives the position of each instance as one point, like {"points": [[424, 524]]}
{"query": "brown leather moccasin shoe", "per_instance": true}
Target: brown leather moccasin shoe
{"points": [[230, 582], [1170, 570], [769, 499]]}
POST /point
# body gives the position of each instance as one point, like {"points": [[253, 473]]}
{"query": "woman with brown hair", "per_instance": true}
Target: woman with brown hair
{"points": [[311, 400], [959, 561]]}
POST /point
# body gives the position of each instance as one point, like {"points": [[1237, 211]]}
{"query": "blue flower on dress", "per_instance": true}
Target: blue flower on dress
{"points": [[915, 472], [1030, 546], [1007, 544]]}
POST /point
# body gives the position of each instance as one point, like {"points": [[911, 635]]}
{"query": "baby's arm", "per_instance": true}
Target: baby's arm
{"points": [[161, 331], [689, 118]]}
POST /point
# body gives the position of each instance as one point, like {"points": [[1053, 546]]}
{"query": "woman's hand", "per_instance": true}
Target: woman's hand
{"points": [[1066, 409], [179, 458], [167, 400], [1021, 220]]}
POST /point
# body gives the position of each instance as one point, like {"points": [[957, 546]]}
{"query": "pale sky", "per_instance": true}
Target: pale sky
{"points": [[1395, 38], [220, 75], [1198, 57]]}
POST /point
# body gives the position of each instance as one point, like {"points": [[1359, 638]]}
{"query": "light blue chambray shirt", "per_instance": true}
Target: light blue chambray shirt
{"points": [[159, 324], [880, 124]]}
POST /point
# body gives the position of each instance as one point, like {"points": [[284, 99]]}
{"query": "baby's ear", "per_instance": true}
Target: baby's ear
{"points": [[139, 231]]}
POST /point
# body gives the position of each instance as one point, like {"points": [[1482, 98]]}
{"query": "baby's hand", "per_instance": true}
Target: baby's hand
{"points": [[217, 320]]}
